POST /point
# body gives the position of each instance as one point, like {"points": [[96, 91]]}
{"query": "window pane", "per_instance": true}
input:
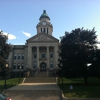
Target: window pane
{"points": [[19, 56], [43, 55], [22, 66], [15, 55], [14, 67], [51, 64], [18, 66], [22, 56], [51, 55], [35, 55]]}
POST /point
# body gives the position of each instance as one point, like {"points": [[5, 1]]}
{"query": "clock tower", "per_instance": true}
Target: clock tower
{"points": [[44, 26]]}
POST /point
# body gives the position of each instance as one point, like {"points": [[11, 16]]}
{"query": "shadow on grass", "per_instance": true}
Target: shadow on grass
{"points": [[81, 90]]}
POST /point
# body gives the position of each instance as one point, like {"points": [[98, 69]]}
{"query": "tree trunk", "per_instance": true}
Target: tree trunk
{"points": [[85, 80]]}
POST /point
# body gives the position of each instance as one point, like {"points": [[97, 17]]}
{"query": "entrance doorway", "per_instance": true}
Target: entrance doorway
{"points": [[43, 66]]}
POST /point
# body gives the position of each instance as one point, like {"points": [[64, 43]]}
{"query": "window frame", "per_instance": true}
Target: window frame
{"points": [[43, 55]]}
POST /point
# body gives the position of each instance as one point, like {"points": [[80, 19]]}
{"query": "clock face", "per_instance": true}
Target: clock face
{"points": [[44, 23]]}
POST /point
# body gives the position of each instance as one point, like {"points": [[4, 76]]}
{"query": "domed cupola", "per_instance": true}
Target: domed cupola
{"points": [[44, 15], [44, 26]]}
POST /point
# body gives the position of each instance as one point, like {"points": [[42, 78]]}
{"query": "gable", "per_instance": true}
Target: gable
{"points": [[42, 37]]}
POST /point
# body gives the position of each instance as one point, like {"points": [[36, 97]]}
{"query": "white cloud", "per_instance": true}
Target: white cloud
{"points": [[26, 34], [10, 36]]}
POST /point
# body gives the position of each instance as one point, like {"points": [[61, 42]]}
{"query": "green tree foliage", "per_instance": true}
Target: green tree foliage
{"points": [[5, 49], [95, 67], [76, 51]]}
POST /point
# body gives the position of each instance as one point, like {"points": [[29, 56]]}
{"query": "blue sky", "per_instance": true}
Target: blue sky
{"points": [[20, 17]]}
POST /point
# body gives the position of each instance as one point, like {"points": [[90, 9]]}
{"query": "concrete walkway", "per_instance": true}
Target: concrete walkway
{"points": [[35, 91], [36, 86]]}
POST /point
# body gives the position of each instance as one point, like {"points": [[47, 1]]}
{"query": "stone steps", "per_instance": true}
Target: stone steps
{"points": [[41, 74], [40, 80]]}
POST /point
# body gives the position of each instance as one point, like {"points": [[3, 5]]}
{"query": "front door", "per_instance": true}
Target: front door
{"points": [[43, 66]]}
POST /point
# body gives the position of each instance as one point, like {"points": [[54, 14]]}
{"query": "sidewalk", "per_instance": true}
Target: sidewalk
{"points": [[35, 91], [36, 86]]}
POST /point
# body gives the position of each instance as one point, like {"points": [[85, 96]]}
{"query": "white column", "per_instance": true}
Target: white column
{"points": [[29, 57], [47, 56], [11, 59], [38, 57], [55, 56], [25, 57]]}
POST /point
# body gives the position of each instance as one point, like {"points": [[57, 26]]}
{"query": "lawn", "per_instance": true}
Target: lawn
{"points": [[80, 90], [9, 83]]}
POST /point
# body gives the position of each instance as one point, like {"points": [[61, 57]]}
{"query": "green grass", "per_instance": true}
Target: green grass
{"points": [[9, 83], [80, 90]]}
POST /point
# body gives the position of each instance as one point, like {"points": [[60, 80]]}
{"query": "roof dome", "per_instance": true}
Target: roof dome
{"points": [[44, 15]]}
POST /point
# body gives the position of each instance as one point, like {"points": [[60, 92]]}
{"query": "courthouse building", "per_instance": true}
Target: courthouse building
{"points": [[40, 52]]}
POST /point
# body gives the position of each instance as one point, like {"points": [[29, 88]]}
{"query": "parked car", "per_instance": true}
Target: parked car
{"points": [[4, 97]]}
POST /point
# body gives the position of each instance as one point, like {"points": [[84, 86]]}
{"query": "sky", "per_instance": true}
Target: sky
{"points": [[20, 17]]}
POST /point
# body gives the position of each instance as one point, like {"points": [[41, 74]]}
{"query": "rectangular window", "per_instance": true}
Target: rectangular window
{"points": [[51, 55], [43, 55], [18, 66], [35, 55], [44, 30], [51, 64], [19, 56], [14, 67], [41, 29], [22, 56], [22, 66], [15, 56], [34, 64], [7, 57]]}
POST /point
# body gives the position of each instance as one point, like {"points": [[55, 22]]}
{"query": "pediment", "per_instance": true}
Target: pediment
{"points": [[42, 37]]}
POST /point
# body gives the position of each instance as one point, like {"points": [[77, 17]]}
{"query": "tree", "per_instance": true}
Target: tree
{"points": [[5, 49], [76, 51], [95, 67]]}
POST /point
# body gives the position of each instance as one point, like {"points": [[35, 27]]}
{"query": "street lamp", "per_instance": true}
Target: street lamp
{"points": [[88, 65], [62, 74], [6, 66], [19, 73]]}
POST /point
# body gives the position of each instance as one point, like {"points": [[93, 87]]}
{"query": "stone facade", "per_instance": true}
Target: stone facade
{"points": [[39, 52]]}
